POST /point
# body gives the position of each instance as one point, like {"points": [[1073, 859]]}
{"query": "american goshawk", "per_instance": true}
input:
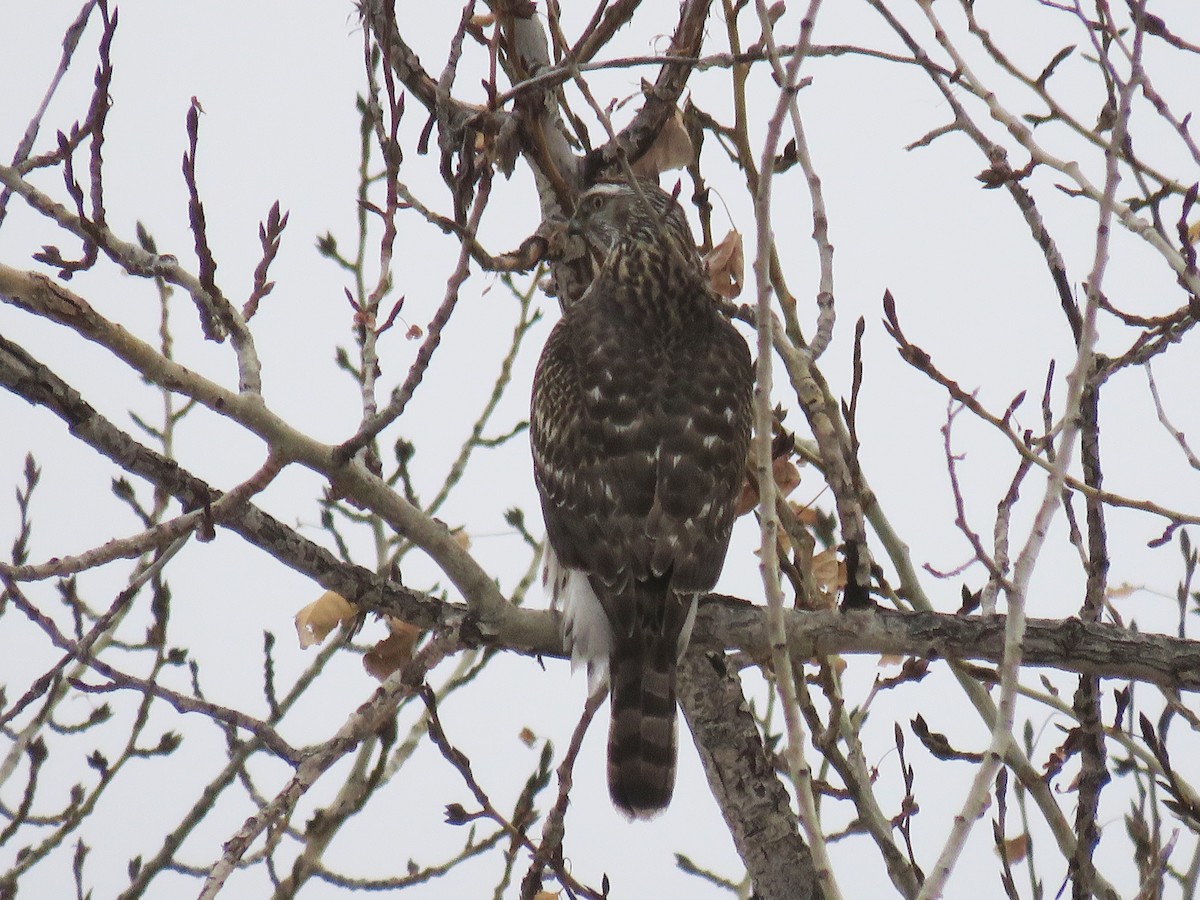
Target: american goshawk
{"points": [[640, 427]]}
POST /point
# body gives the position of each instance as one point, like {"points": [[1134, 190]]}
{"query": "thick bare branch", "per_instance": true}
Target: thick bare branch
{"points": [[753, 800]]}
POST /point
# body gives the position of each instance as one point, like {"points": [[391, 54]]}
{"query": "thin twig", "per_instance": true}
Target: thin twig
{"points": [[785, 678]]}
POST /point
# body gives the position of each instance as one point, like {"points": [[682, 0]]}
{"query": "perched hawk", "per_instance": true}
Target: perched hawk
{"points": [[640, 427]]}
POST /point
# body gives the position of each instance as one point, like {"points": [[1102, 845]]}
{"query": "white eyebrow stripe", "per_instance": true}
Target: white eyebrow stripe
{"points": [[606, 188]]}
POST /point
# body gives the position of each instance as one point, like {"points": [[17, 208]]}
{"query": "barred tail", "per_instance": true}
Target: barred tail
{"points": [[641, 736]]}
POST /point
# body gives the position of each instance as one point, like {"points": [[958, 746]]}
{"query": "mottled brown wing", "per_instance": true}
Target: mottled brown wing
{"points": [[573, 467], [704, 430], [640, 448]]}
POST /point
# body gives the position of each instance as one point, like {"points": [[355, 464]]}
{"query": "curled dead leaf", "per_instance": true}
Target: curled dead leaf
{"points": [[394, 651], [828, 570], [787, 476], [327, 612], [748, 498], [1017, 848], [726, 265], [829, 573], [672, 149], [805, 513]]}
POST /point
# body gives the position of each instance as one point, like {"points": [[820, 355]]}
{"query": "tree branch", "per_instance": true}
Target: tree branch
{"points": [[753, 800]]}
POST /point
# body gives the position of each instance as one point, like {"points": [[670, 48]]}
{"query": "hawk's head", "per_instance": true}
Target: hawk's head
{"points": [[611, 212]]}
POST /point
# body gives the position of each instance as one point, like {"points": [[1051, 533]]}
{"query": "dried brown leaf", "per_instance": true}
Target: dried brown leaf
{"points": [[672, 149], [748, 498], [327, 612], [1017, 848], [787, 476], [829, 571], [394, 651], [805, 513], [726, 265]]}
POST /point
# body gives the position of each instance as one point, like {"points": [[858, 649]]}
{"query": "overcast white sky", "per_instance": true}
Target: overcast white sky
{"points": [[277, 83]]}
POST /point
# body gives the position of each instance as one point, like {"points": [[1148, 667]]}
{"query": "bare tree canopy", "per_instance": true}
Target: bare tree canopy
{"points": [[272, 287]]}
